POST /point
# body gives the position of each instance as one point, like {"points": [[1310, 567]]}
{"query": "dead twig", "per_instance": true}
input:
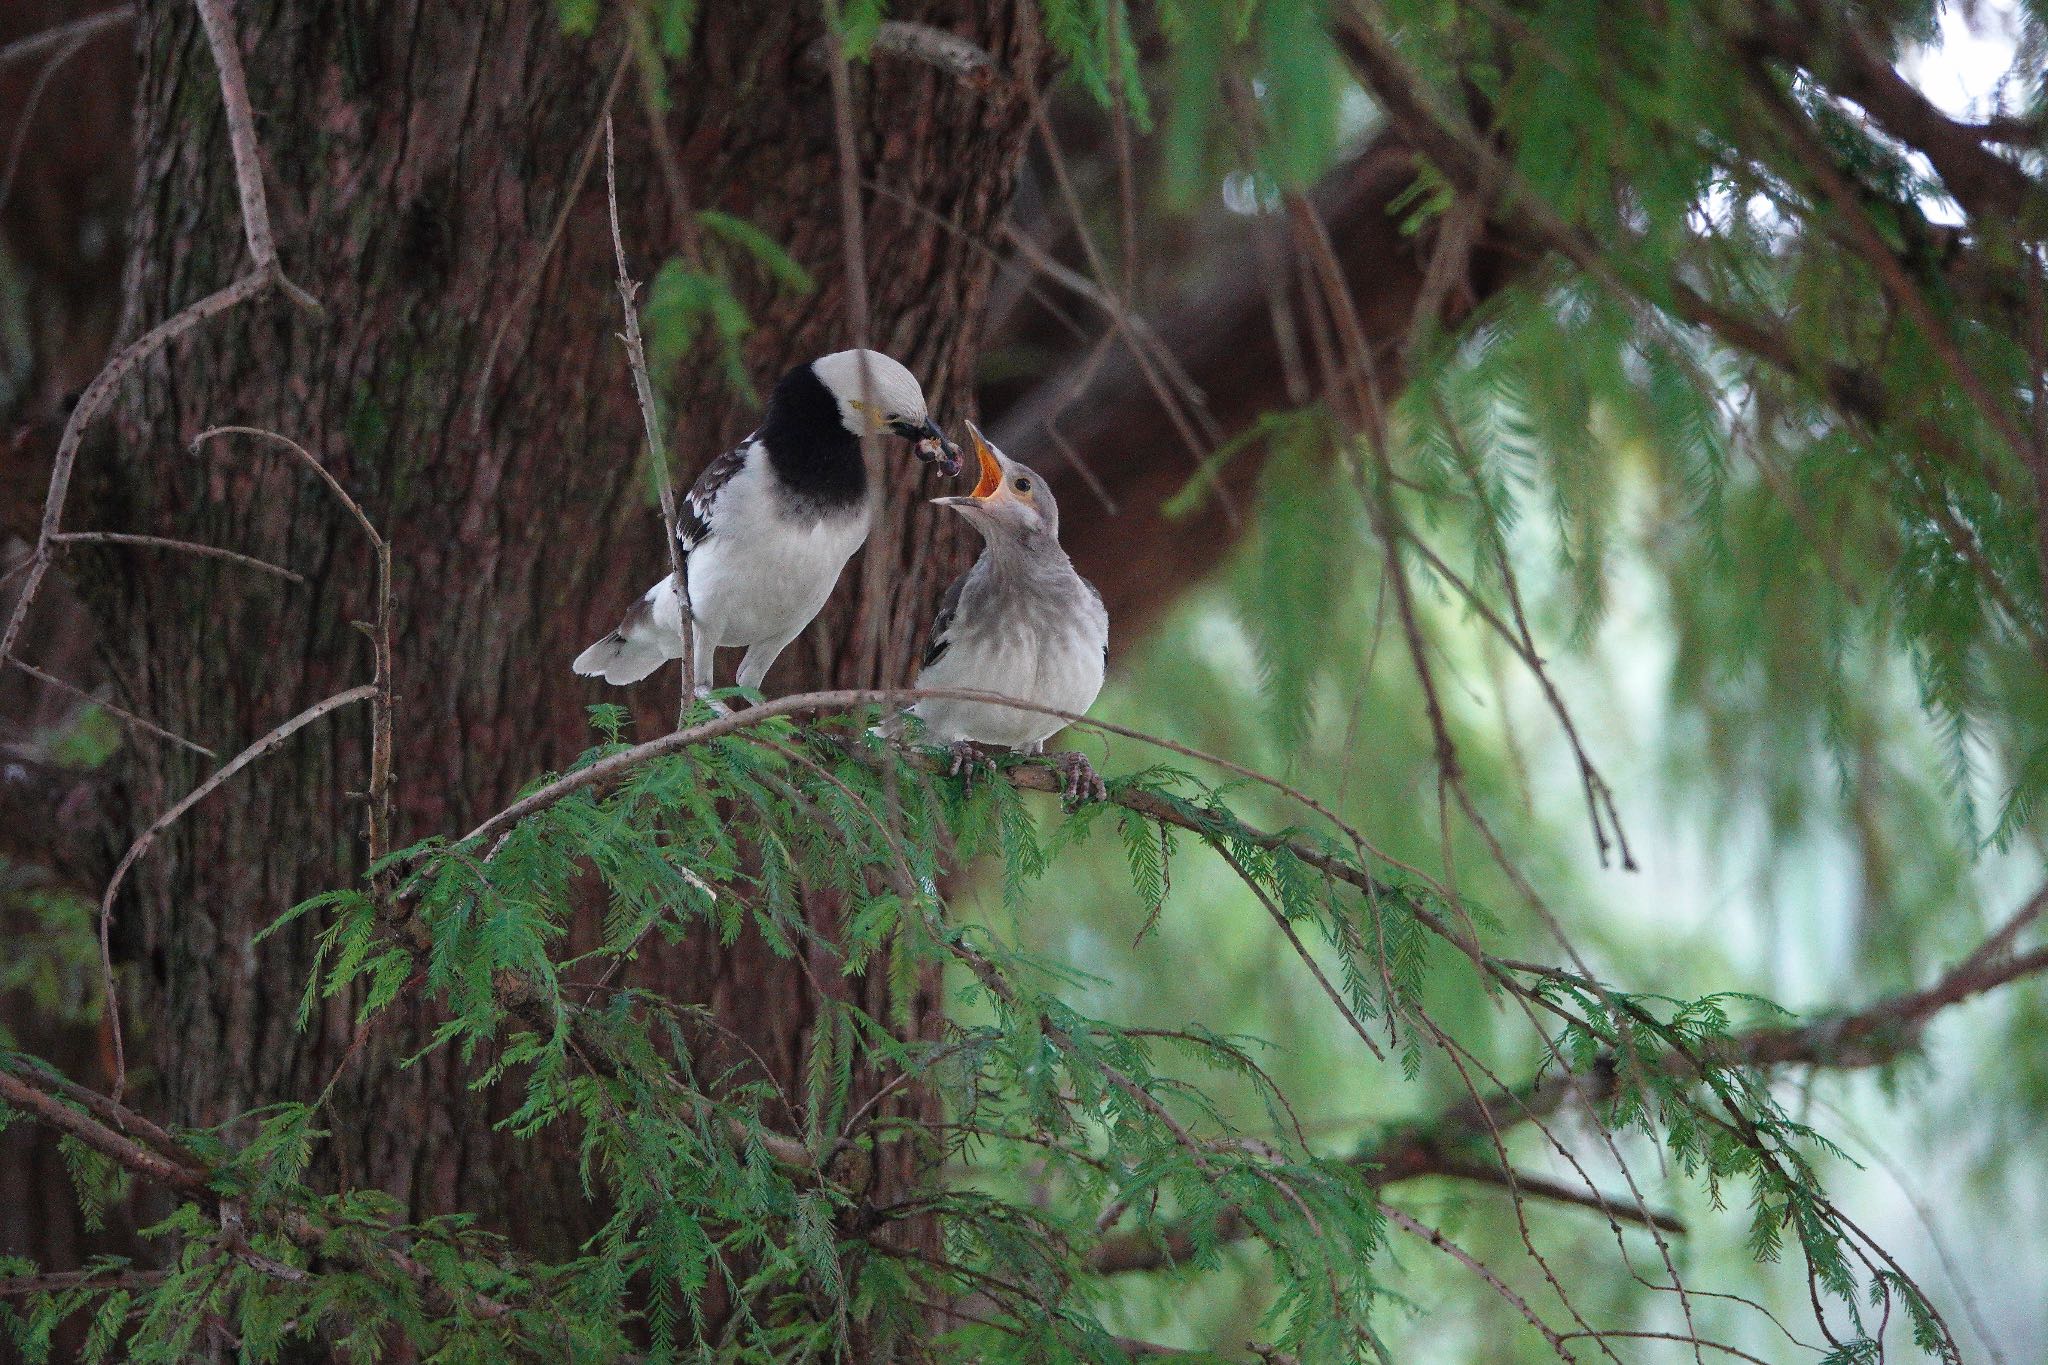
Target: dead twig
{"points": [[383, 748], [643, 389], [234, 92], [73, 689], [90, 404], [91, 26], [1479, 1268], [184, 546], [170, 817], [72, 37], [531, 281], [265, 273]]}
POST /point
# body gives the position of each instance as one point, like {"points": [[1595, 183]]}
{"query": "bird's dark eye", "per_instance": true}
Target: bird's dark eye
{"points": [[1022, 485]]}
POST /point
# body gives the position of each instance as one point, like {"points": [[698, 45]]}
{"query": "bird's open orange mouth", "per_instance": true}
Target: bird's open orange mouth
{"points": [[991, 472]]}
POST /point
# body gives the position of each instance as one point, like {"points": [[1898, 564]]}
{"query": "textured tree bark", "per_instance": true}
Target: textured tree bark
{"points": [[417, 159], [417, 155]]}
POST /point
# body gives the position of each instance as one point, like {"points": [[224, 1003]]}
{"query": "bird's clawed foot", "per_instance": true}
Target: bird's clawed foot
{"points": [[967, 757], [1079, 781]]}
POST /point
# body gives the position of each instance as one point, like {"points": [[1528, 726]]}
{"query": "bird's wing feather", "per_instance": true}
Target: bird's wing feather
{"points": [[694, 517], [949, 604], [1096, 593]]}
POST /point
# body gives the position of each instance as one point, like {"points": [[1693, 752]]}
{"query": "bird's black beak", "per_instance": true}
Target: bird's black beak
{"points": [[930, 444]]}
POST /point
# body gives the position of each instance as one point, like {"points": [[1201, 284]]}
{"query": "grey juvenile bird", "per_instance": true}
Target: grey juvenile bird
{"points": [[1020, 623], [770, 523]]}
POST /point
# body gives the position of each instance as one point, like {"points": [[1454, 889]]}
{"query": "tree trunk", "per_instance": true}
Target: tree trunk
{"points": [[418, 155]]}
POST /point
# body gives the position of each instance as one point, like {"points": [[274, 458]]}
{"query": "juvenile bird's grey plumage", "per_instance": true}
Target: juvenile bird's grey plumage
{"points": [[1020, 623], [770, 523]]}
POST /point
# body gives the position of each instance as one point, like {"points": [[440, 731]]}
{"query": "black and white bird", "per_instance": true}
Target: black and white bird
{"points": [[1020, 623], [770, 523]]}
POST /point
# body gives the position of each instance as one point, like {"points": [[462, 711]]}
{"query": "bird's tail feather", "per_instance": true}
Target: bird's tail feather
{"points": [[651, 634], [619, 660]]}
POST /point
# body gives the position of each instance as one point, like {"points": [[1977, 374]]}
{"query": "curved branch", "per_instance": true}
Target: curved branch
{"points": [[170, 817], [1878, 1033]]}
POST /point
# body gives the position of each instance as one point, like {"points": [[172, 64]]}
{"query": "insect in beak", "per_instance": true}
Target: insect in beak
{"points": [[931, 445]]}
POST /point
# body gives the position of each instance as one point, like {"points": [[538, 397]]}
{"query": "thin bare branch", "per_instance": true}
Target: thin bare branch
{"points": [[643, 389], [383, 747], [853, 255], [1524, 1184], [73, 689], [184, 546], [91, 26], [268, 742], [1479, 1268], [306, 458], [530, 282], [1170, 385], [234, 91], [1279, 917], [78, 36], [90, 404]]}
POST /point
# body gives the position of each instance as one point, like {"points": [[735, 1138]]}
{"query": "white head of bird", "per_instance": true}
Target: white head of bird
{"points": [[877, 395], [1010, 502]]}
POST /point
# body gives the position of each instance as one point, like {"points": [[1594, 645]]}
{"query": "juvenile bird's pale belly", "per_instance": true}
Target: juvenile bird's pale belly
{"points": [[1065, 676]]}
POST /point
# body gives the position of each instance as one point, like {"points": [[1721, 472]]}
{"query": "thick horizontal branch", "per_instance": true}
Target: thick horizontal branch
{"points": [[65, 1281], [140, 1147], [1872, 1036], [185, 1174], [1826, 42]]}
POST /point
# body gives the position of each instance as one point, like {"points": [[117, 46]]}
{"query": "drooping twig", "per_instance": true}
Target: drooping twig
{"points": [[234, 91], [383, 746], [1479, 1268], [305, 457], [71, 38], [1876, 1033], [1169, 384], [91, 26], [170, 817], [73, 689], [853, 255], [184, 546], [531, 280], [643, 389]]}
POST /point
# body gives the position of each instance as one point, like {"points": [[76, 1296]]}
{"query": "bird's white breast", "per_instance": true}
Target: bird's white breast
{"points": [[768, 565]]}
